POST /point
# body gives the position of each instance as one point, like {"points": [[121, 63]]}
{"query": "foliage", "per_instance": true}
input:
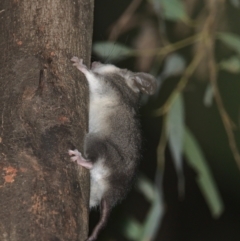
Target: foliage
{"points": [[203, 34]]}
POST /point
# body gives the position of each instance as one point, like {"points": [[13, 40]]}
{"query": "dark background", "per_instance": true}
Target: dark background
{"points": [[188, 219]]}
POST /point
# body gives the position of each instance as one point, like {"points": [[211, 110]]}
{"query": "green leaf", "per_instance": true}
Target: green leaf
{"points": [[156, 211], [208, 96], [111, 51], [205, 179], [231, 40], [231, 65], [174, 64], [146, 187], [173, 9], [235, 3], [175, 132], [132, 229], [154, 217]]}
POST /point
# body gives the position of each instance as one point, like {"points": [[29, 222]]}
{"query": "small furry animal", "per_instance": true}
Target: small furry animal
{"points": [[112, 146]]}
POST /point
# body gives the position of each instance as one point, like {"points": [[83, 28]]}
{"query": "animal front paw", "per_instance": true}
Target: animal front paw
{"points": [[78, 63], [76, 156]]}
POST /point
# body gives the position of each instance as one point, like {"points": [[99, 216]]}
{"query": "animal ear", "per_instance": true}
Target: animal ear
{"points": [[144, 82]]}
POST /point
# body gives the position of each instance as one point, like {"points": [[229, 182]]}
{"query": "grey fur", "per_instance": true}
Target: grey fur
{"points": [[112, 146]]}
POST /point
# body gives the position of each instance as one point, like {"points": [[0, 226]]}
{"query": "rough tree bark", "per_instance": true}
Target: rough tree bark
{"points": [[43, 113]]}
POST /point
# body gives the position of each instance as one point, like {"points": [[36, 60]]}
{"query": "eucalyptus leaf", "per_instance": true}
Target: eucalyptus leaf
{"points": [[173, 9], [231, 65], [208, 96], [205, 179], [231, 40], [174, 65], [235, 3], [175, 132], [155, 214], [146, 187], [154, 218], [111, 51], [132, 229]]}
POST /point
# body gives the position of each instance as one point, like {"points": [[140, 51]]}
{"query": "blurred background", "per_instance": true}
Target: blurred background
{"points": [[188, 185]]}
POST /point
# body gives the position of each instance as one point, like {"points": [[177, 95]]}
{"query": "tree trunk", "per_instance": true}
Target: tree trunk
{"points": [[43, 113]]}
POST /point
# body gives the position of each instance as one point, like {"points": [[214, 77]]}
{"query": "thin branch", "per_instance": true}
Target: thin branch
{"points": [[181, 84], [225, 118], [162, 146], [215, 8], [168, 48], [123, 20]]}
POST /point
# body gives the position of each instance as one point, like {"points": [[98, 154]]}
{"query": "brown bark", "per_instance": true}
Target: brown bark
{"points": [[43, 113]]}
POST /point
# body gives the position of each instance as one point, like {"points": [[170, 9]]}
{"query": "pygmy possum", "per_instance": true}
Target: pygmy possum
{"points": [[112, 145]]}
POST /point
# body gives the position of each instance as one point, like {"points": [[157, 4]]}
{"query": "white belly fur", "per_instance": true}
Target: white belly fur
{"points": [[99, 185], [100, 110]]}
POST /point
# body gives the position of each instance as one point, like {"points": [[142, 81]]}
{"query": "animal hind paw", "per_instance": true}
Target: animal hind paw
{"points": [[76, 156]]}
